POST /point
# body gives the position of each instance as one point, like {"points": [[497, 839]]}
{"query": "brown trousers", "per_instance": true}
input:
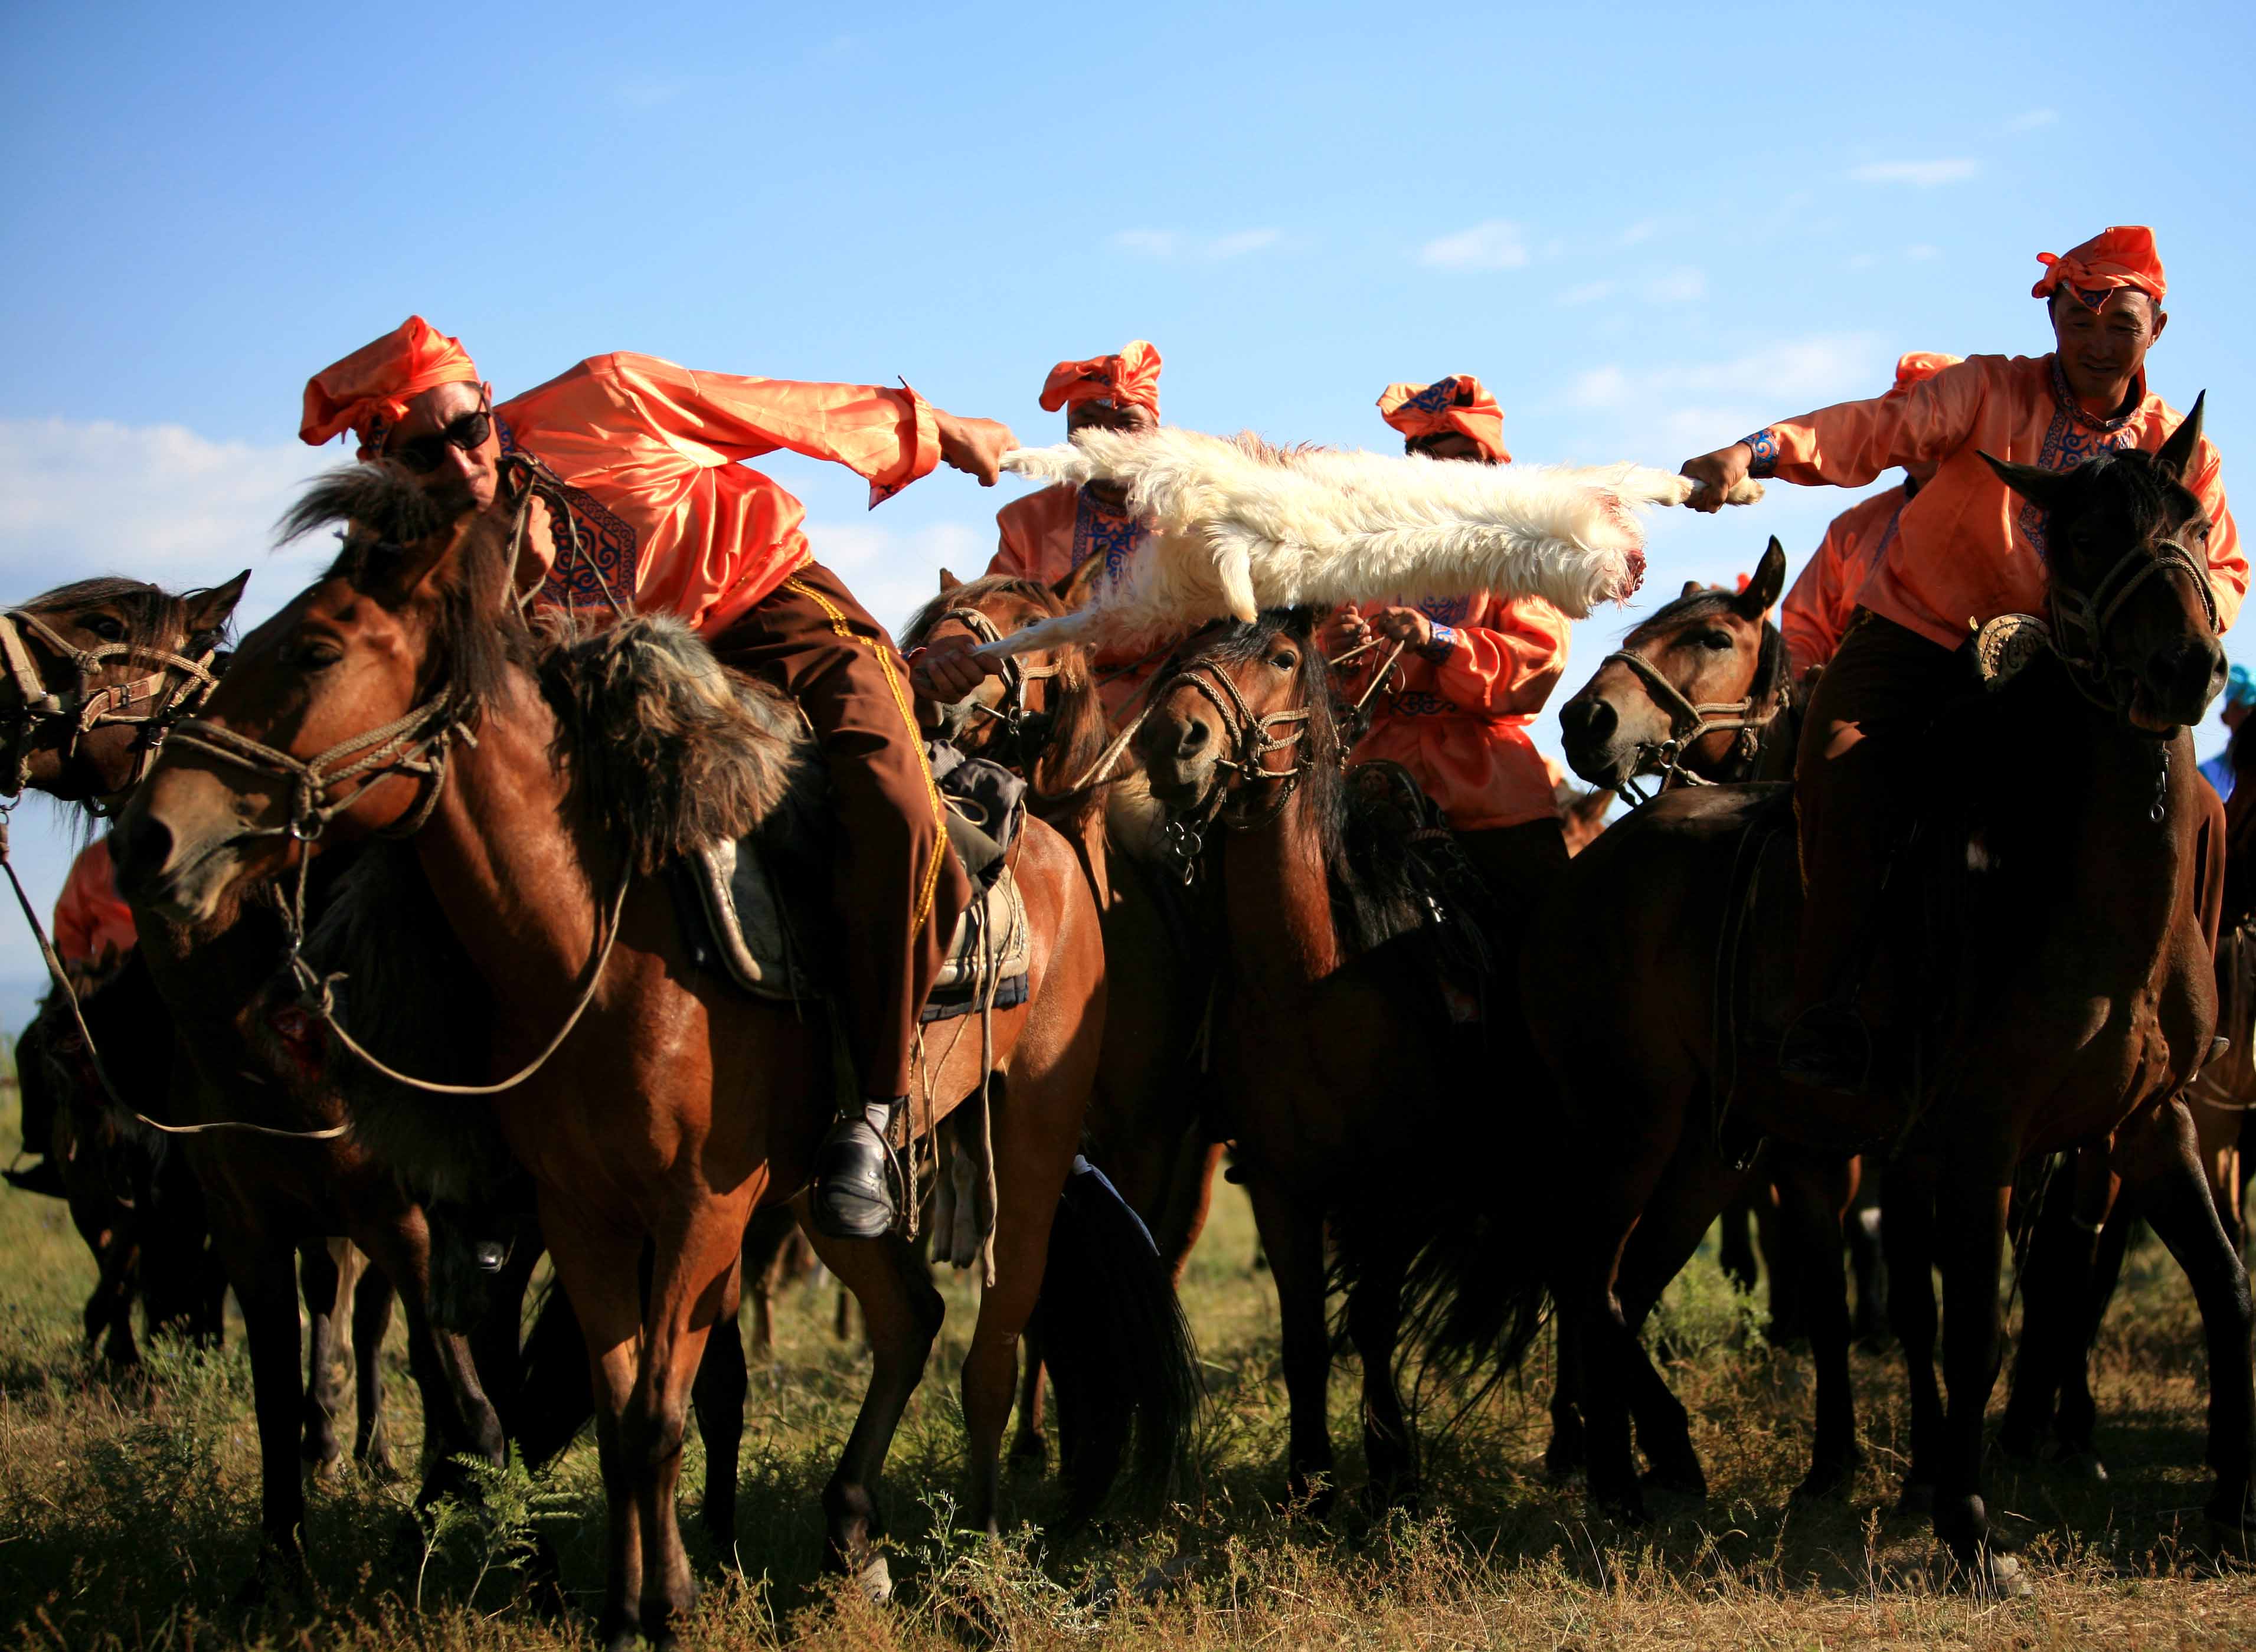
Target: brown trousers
{"points": [[897, 889], [1854, 780]]}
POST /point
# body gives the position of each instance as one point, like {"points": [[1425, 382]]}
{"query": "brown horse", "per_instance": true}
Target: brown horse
{"points": [[1700, 694], [676, 1105], [2083, 1030], [1046, 719], [1337, 1070]]}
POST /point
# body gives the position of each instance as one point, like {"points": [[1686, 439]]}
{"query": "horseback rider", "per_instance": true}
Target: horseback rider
{"points": [[2223, 770], [663, 519], [1965, 551], [1473, 674], [93, 929], [1047, 535], [1823, 599]]}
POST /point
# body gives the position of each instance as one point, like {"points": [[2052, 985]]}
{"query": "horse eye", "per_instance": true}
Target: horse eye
{"points": [[107, 627], [1717, 640], [1284, 659], [318, 655]]}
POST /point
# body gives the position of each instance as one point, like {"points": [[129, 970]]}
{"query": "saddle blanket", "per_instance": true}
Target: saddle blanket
{"points": [[762, 934]]}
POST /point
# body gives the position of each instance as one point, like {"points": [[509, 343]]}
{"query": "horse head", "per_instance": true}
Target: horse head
{"points": [[1240, 716], [334, 714], [1688, 691], [1009, 718], [82, 707], [2126, 550]]}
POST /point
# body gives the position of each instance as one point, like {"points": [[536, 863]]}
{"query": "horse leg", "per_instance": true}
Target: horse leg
{"points": [[2056, 1289], [1814, 1191], [266, 1290], [1865, 1260], [901, 1312], [1735, 1244], [1970, 1215], [1907, 1237], [1293, 1238], [718, 1395], [1374, 1319], [372, 1322], [2163, 1156], [2078, 1415], [324, 1397]]}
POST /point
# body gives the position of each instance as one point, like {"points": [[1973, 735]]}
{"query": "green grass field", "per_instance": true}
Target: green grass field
{"points": [[127, 1508]]}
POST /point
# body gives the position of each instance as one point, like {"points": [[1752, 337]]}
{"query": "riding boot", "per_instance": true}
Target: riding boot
{"points": [[854, 1169]]}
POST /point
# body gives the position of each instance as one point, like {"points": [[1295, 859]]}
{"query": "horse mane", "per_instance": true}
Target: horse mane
{"points": [[668, 748], [155, 618], [1072, 736]]}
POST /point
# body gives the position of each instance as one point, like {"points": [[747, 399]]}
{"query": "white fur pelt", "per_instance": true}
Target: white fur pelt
{"points": [[1239, 526]]}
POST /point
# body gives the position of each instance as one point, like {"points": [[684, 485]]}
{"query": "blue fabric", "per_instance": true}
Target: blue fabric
{"points": [[2218, 772], [2239, 687]]}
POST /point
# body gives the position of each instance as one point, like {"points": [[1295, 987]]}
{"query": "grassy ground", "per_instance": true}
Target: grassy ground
{"points": [[126, 1509]]}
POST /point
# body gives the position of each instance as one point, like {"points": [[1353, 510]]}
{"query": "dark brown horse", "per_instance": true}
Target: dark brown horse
{"points": [[675, 1105], [2084, 1028], [1354, 1101], [1046, 719], [1700, 695]]}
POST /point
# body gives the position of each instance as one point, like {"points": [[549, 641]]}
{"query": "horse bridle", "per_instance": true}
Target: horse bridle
{"points": [[2080, 620], [1689, 722], [84, 707], [1016, 673], [1252, 739]]}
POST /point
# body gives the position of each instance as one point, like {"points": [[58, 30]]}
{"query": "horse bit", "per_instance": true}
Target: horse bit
{"points": [[1016, 674], [1689, 722], [85, 707]]}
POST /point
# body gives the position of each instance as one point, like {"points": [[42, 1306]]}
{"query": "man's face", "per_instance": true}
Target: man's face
{"points": [[1131, 418], [427, 443], [2103, 350], [1448, 444]]}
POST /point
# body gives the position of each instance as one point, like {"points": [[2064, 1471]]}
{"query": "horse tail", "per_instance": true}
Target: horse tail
{"points": [[1119, 1349], [1475, 1298]]}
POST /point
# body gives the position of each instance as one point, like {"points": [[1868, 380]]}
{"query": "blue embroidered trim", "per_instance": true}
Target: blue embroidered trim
{"points": [[1443, 645], [1765, 444], [1417, 703], [2073, 437], [1097, 532], [1446, 610], [607, 547], [1437, 397]]}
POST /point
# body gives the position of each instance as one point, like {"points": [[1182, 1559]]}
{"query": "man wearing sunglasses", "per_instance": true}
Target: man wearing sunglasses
{"points": [[666, 520]]}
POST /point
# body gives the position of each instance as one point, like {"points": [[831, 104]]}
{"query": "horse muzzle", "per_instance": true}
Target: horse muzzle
{"points": [[177, 853], [1598, 747]]}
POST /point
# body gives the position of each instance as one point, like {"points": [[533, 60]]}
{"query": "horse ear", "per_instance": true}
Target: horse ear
{"points": [[1770, 578], [1075, 589], [1692, 587], [2176, 454], [2041, 487], [947, 582], [209, 611]]}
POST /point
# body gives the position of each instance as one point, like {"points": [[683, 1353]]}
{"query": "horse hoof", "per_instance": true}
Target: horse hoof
{"points": [[1624, 1508], [2084, 1464], [1918, 1498], [1662, 1482], [1828, 1484], [2232, 1509], [1562, 1459], [875, 1581], [1030, 1450], [1997, 1576]]}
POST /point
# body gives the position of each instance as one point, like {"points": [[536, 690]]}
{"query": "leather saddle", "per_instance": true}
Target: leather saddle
{"points": [[765, 922]]}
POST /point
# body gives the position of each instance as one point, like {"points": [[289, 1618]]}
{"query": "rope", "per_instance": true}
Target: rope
{"points": [[94, 1053]]}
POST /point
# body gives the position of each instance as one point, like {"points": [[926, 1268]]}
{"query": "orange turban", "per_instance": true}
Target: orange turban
{"points": [[1457, 403], [1915, 366], [375, 382], [2122, 255], [1130, 379]]}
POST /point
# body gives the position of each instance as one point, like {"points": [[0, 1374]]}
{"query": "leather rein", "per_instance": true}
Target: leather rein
{"points": [[1016, 673], [84, 707]]}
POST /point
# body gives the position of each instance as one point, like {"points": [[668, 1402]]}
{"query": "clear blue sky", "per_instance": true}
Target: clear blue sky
{"points": [[1647, 228]]}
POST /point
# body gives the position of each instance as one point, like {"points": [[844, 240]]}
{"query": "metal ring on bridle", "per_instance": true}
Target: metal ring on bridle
{"points": [[1689, 722]]}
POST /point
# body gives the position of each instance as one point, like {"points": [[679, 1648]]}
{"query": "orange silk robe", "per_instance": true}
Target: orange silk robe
{"points": [[91, 918], [1045, 536], [1816, 610], [1457, 714], [671, 521], [1968, 549]]}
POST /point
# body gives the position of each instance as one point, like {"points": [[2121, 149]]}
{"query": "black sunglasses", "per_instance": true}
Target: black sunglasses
{"points": [[425, 453]]}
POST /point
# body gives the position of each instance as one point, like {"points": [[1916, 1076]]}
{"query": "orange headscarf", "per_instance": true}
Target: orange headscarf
{"points": [[1130, 379], [374, 384], [1914, 366], [1457, 403], [2121, 255]]}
